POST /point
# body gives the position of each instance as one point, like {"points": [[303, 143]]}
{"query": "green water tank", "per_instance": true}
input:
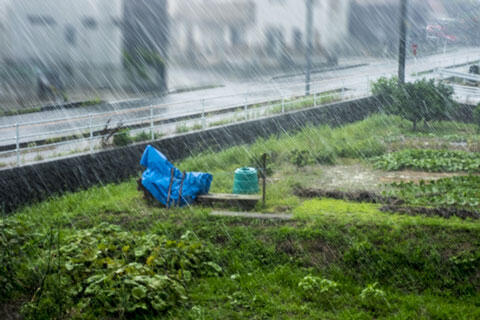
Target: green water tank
{"points": [[246, 181]]}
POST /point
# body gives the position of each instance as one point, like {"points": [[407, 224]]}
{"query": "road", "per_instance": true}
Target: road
{"points": [[355, 80]]}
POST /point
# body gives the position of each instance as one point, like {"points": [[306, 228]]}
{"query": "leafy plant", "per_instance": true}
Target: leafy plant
{"points": [[106, 271], [450, 192], [372, 297], [429, 160], [476, 117], [122, 138], [312, 287]]}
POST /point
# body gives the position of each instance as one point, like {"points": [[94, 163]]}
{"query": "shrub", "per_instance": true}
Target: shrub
{"points": [[122, 138], [476, 117], [423, 100]]}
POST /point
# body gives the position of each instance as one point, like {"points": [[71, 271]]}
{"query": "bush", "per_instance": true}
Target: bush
{"points": [[476, 117], [423, 100], [122, 138]]}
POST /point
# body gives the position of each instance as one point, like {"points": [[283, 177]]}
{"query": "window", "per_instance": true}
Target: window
{"points": [[71, 35], [41, 20], [90, 23], [297, 39]]}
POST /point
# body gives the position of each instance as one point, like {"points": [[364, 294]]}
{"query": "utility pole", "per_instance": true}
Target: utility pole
{"points": [[309, 38], [403, 41]]}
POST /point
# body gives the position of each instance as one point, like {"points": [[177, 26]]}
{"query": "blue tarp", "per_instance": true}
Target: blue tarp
{"points": [[156, 179]]}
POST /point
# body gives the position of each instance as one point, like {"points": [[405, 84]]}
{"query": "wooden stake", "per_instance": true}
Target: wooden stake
{"points": [[172, 172], [264, 177]]}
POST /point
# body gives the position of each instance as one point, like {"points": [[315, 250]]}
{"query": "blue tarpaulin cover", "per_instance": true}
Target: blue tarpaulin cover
{"points": [[156, 179]]}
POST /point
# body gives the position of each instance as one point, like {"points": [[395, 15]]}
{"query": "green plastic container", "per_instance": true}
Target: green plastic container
{"points": [[246, 181]]}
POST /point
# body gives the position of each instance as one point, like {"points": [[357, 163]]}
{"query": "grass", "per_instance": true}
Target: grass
{"points": [[335, 260], [86, 103]]}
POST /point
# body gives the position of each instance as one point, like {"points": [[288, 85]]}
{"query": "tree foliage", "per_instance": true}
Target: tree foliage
{"points": [[422, 100]]}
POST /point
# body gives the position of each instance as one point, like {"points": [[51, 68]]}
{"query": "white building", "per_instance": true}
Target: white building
{"points": [[81, 37], [3, 28], [217, 28]]}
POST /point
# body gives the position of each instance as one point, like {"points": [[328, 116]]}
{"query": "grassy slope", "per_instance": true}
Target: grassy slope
{"points": [[427, 267]]}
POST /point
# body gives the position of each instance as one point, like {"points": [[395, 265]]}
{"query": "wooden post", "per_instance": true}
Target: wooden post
{"points": [[264, 177], [181, 189], [172, 172]]}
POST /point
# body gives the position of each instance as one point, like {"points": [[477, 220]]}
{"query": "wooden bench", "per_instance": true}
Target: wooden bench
{"points": [[245, 202]]}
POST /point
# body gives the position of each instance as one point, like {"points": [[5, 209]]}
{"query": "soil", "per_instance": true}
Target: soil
{"points": [[354, 177], [359, 196], [11, 311], [433, 212]]}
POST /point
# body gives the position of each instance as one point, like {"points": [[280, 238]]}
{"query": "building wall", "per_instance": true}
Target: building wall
{"points": [[77, 32], [146, 25], [3, 29], [289, 17], [78, 40], [272, 23]]}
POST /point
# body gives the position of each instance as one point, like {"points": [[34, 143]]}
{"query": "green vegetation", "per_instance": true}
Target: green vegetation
{"points": [[8, 113], [423, 100], [476, 117], [124, 137], [460, 192], [307, 102], [311, 145], [140, 64], [430, 160], [92, 102], [105, 253]]}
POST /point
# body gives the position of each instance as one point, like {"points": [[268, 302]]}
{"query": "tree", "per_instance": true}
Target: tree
{"points": [[423, 100]]}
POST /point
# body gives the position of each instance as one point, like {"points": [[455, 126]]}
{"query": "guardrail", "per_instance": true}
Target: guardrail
{"points": [[460, 75], [84, 133]]}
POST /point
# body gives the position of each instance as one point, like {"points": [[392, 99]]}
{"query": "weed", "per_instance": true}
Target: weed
{"points": [[122, 138]]}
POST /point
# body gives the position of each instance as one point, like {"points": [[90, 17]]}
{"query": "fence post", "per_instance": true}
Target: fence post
{"points": [[245, 107], [17, 143], [343, 90], [315, 99], [204, 120], [90, 127], [152, 133], [283, 104]]}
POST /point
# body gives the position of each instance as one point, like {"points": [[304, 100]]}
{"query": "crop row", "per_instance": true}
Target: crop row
{"points": [[429, 160], [460, 192]]}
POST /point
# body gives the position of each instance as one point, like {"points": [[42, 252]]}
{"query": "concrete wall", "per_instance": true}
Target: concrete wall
{"points": [[25, 185], [39, 30], [78, 40]]}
